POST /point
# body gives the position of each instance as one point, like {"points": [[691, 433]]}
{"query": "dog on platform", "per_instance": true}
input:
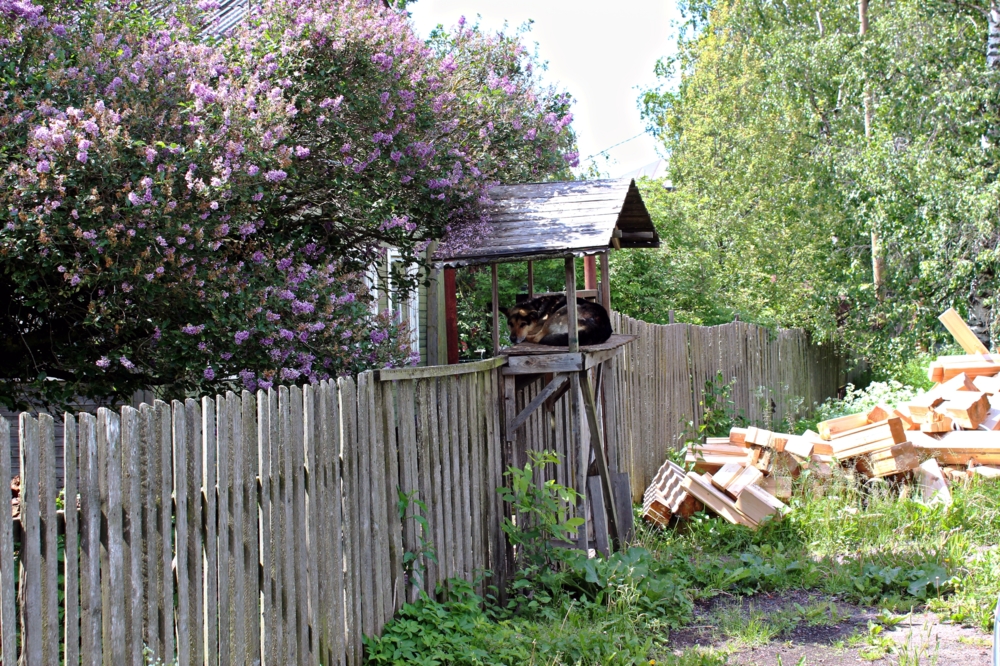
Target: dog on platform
{"points": [[544, 320]]}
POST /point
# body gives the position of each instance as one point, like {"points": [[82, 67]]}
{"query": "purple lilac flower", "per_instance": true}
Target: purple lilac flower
{"points": [[193, 330], [242, 336], [286, 334], [43, 166], [209, 373], [103, 362], [301, 152], [127, 364], [275, 176]]}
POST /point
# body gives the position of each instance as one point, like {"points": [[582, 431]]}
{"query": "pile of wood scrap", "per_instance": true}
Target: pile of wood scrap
{"points": [[948, 433], [736, 491]]}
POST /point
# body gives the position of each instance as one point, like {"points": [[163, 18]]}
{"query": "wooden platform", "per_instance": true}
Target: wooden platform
{"points": [[527, 358]]}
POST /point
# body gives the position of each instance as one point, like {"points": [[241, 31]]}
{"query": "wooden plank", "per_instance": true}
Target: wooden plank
{"points": [[962, 333], [462, 477], [181, 533], [163, 423], [495, 306], [576, 442], [380, 504], [427, 372], [602, 461], [49, 551], [210, 461], [571, 311], [449, 542], [71, 565], [596, 496], [196, 592], [409, 478], [267, 428], [700, 486], [393, 481], [149, 461], [369, 589], [225, 527], [557, 382], [339, 615], [237, 539], [426, 439], [477, 473], [133, 537], [349, 416], [310, 440], [541, 364], [285, 504], [8, 618], [251, 535], [31, 543], [90, 544], [109, 450]]}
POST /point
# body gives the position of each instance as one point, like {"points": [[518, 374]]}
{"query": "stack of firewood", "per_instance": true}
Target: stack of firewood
{"points": [[948, 433]]}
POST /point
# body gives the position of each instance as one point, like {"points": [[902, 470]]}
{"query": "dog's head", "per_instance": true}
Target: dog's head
{"points": [[521, 321]]}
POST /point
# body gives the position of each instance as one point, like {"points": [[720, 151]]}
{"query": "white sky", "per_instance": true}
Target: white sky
{"points": [[603, 53]]}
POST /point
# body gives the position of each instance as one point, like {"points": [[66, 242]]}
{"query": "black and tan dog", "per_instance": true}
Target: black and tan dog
{"points": [[543, 320]]}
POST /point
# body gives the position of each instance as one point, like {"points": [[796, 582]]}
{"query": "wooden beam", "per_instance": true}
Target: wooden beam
{"points": [[962, 333], [557, 382], [531, 280], [430, 371], [571, 313], [583, 456], [496, 310], [596, 441], [451, 314], [605, 282], [590, 272], [509, 409]]}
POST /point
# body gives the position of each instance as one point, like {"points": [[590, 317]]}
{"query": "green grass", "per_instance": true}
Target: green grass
{"points": [[859, 541]]}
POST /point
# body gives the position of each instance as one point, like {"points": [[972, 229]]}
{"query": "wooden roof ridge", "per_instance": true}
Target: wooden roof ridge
{"points": [[554, 219]]}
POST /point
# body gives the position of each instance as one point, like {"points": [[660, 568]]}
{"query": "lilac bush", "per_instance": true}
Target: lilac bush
{"points": [[198, 213]]}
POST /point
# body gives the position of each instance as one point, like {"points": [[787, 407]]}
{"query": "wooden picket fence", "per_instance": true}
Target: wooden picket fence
{"points": [[274, 528], [655, 399], [249, 529]]}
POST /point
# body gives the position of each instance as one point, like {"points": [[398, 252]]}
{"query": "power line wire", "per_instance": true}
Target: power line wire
{"points": [[620, 143]]}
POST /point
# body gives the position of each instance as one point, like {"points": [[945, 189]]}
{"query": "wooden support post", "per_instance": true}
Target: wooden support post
{"points": [[496, 310], [601, 458], [590, 272], [433, 315], [583, 459], [531, 280], [571, 314], [605, 282], [451, 314], [509, 406]]}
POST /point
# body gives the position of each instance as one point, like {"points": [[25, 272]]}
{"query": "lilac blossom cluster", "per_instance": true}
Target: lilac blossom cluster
{"points": [[199, 199]]}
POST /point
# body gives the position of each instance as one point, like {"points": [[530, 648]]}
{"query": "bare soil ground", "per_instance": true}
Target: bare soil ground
{"points": [[800, 628]]}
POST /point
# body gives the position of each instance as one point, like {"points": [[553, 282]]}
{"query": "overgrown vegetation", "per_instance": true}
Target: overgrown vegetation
{"points": [[867, 543], [792, 140]]}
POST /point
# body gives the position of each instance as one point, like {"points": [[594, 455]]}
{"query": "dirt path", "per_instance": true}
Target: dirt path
{"points": [[803, 629]]}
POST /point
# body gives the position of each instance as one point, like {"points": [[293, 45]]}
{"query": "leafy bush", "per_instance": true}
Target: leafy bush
{"points": [[198, 212]]}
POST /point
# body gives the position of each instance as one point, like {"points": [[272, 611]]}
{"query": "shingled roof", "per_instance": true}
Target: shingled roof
{"points": [[549, 220]]}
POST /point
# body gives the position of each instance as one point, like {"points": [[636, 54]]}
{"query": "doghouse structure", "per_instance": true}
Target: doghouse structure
{"points": [[553, 396]]}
